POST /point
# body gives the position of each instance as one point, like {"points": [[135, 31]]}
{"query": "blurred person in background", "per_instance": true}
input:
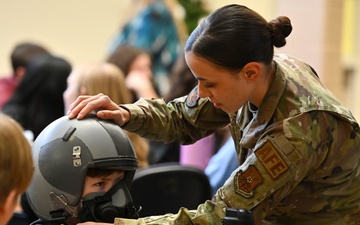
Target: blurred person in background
{"points": [[37, 100], [181, 79], [94, 78], [158, 27], [223, 161], [136, 64], [21, 54]]}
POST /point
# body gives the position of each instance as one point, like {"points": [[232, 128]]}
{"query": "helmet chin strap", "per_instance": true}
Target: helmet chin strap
{"points": [[63, 212], [60, 202]]}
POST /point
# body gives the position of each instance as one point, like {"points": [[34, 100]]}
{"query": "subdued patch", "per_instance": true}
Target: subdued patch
{"points": [[247, 181]]}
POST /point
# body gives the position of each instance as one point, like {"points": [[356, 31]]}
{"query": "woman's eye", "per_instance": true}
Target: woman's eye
{"points": [[208, 85]]}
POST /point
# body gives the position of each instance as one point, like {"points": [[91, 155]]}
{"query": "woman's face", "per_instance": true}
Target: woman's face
{"points": [[142, 64], [101, 184], [225, 89], [72, 91]]}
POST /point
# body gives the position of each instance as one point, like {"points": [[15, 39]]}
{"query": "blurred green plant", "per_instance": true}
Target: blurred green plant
{"points": [[194, 12]]}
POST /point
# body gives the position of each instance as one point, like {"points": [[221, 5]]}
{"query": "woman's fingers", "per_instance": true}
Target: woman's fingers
{"points": [[86, 104]]}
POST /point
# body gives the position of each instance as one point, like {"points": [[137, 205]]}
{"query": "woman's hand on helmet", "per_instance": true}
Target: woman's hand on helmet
{"points": [[102, 105]]}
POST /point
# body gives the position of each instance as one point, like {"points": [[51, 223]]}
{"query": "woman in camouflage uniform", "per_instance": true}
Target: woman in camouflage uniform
{"points": [[297, 145]]}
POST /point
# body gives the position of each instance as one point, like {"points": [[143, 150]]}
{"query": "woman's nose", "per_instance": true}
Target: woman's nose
{"points": [[202, 91]]}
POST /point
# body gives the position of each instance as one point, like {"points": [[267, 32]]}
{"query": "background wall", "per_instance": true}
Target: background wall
{"points": [[78, 30]]}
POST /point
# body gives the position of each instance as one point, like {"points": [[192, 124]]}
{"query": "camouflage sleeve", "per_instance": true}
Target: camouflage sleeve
{"points": [[154, 119], [268, 175], [293, 161], [206, 214]]}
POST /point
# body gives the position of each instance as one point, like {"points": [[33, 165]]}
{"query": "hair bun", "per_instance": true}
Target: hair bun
{"points": [[280, 29]]}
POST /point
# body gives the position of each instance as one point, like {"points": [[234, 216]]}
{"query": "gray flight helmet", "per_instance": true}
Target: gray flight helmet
{"points": [[62, 154]]}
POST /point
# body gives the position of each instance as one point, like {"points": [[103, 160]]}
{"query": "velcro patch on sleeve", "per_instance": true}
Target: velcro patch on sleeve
{"points": [[269, 157], [246, 181], [193, 98]]}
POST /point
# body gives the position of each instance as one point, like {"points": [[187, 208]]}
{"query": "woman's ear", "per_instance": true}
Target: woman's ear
{"points": [[252, 71]]}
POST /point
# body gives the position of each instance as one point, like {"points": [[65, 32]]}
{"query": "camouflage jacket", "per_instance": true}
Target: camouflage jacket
{"points": [[298, 152]]}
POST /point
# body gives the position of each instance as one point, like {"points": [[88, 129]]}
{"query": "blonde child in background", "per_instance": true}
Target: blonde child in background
{"points": [[94, 78]]}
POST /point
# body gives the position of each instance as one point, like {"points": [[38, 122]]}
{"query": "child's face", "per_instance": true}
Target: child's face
{"points": [[101, 184]]}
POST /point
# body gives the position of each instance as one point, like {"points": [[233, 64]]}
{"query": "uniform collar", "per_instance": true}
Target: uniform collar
{"points": [[255, 122], [272, 97]]}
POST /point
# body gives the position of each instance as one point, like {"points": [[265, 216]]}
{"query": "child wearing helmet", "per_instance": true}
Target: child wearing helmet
{"points": [[83, 172]]}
